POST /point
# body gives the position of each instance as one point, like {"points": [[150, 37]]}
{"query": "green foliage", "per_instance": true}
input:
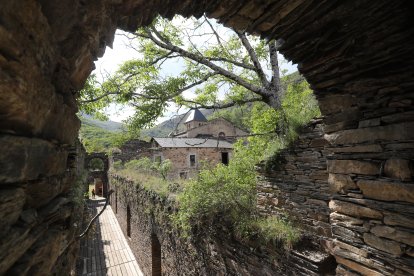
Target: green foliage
{"points": [[97, 139], [229, 191], [276, 229], [142, 172], [144, 83], [164, 168], [96, 164], [299, 106]]}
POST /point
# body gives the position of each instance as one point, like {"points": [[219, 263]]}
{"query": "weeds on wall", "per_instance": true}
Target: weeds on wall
{"points": [[150, 175]]}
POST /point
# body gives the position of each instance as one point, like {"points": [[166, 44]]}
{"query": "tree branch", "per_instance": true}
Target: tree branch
{"points": [[226, 105], [254, 58], [255, 89]]}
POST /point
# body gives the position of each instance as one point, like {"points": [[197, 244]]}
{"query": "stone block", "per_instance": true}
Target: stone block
{"points": [[385, 245], [387, 191], [11, 206], [24, 159], [15, 245], [369, 123], [398, 169], [42, 191], [354, 210], [353, 166], [399, 219], [393, 234], [336, 103], [395, 132], [358, 148], [347, 220], [354, 249], [357, 267], [340, 183]]}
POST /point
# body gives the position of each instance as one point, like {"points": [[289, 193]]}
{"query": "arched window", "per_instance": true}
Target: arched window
{"points": [[96, 164], [222, 135]]}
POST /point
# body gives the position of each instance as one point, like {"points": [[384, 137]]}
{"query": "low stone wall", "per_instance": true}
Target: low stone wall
{"points": [[208, 251], [355, 198], [296, 183]]}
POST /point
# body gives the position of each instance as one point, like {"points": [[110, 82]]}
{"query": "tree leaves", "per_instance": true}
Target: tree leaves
{"points": [[222, 67]]}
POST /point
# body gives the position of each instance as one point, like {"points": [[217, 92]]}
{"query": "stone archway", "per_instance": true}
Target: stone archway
{"points": [[98, 175], [357, 56]]}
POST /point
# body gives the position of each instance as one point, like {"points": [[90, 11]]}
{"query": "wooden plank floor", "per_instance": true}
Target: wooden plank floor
{"points": [[105, 251]]}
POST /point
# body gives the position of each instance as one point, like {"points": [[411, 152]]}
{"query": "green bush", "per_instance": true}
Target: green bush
{"points": [[230, 191]]}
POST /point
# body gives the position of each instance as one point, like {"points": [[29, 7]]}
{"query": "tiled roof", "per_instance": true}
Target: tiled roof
{"points": [[174, 142]]}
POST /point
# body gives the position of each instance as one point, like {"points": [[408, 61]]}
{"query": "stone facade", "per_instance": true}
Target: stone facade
{"points": [[188, 160], [296, 182], [215, 128], [157, 245]]}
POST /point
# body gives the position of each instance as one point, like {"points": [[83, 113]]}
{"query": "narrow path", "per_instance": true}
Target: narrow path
{"points": [[105, 251]]}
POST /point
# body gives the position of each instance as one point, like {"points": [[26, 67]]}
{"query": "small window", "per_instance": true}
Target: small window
{"points": [[183, 175], [222, 135], [157, 159], [192, 160], [225, 158], [128, 221]]}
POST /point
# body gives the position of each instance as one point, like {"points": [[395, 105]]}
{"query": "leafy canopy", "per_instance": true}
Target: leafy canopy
{"points": [[220, 68]]}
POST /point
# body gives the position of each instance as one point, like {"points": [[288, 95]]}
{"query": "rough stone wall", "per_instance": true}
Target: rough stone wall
{"points": [[206, 252], [296, 183], [180, 158], [371, 174], [39, 206], [132, 149]]}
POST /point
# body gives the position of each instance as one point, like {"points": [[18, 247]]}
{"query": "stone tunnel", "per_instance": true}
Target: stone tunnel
{"points": [[356, 55]]}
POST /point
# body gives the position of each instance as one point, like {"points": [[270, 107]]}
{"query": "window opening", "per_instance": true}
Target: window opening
{"points": [[192, 160], [225, 158], [128, 221], [155, 255]]}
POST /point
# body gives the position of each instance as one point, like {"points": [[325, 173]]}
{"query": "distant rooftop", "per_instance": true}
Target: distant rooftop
{"points": [[195, 115], [174, 142]]}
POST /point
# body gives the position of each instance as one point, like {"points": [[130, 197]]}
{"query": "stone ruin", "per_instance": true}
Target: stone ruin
{"points": [[357, 56]]}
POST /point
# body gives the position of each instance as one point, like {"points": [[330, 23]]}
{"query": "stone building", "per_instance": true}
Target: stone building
{"points": [[188, 155], [203, 143], [197, 126]]}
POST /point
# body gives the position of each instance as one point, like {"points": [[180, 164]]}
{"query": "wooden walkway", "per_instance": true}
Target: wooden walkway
{"points": [[105, 251]]}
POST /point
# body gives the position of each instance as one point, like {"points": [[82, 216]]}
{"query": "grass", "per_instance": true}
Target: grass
{"points": [[152, 182], [277, 229]]}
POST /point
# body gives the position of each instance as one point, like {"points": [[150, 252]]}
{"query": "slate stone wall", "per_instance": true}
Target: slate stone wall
{"points": [[207, 251]]}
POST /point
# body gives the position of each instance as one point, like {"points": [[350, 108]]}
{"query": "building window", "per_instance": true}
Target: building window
{"points": [[157, 159], [192, 160], [128, 221], [225, 158], [222, 135]]}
